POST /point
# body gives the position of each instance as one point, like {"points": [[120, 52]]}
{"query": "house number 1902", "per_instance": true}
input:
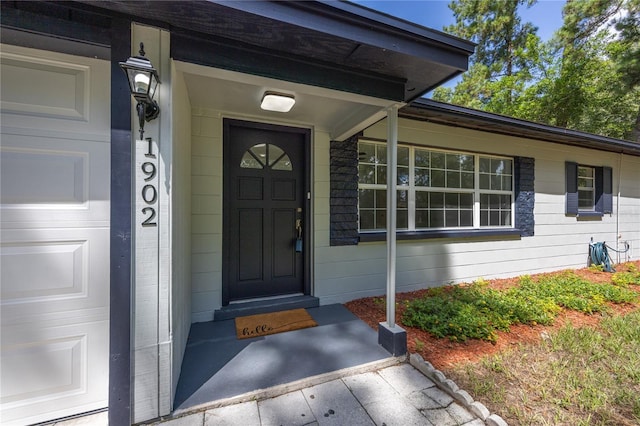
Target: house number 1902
{"points": [[149, 191]]}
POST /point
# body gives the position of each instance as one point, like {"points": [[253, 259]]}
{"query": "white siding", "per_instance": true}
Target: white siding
{"points": [[626, 181], [152, 352], [345, 273], [321, 188], [206, 213], [560, 241], [180, 224]]}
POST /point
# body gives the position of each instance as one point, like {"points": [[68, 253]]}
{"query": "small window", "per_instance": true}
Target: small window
{"points": [[586, 188], [261, 155], [589, 190]]}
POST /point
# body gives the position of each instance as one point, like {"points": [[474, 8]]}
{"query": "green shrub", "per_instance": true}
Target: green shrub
{"points": [[447, 314], [623, 279], [474, 312], [478, 312], [568, 290]]}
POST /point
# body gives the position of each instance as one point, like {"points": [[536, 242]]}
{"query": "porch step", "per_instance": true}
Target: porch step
{"points": [[265, 306]]}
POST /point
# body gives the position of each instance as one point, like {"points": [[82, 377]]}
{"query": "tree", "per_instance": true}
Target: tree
{"points": [[592, 91], [497, 28], [501, 66], [627, 56], [580, 42], [586, 78]]}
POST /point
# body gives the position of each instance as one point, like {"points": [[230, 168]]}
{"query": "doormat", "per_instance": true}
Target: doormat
{"points": [[276, 322]]}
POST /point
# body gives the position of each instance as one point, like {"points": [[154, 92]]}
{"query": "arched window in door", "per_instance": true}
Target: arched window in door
{"points": [[266, 155]]}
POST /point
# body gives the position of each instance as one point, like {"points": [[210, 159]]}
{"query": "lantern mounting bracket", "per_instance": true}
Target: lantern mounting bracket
{"points": [[143, 81]]}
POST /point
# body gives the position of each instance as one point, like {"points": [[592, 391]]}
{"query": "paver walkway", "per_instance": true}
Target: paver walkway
{"points": [[397, 395]]}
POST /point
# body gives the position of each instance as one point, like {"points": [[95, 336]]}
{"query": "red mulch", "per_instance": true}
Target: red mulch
{"points": [[443, 353]]}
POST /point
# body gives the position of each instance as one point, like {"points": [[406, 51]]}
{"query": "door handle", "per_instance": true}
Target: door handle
{"points": [[299, 239]]}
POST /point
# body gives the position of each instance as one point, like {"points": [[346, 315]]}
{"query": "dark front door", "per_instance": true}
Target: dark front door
{"points": [[265, 210]]}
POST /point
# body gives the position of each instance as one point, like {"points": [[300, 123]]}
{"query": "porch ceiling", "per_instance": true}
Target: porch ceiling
{"points": [[236, 94], [345, 63], [337, 45]]}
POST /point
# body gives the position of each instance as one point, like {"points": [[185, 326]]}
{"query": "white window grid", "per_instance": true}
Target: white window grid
{"points": [[586, 188], [476, 192]]}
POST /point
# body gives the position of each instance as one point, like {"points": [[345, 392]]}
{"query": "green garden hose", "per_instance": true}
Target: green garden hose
{"points": [[599, 255]]}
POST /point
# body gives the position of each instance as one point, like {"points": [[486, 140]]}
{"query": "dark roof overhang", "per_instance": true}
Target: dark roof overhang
{"points": [[453, 115], [333, 44], [355, 38]]}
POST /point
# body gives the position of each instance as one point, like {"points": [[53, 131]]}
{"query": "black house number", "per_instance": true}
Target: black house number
{"points": [[149, 191]]}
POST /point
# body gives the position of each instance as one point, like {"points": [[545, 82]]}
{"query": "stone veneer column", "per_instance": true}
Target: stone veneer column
{"points": [[524, 195], [343, 210]]}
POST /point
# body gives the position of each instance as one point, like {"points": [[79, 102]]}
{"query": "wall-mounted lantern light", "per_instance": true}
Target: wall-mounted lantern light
{"points": [[278, 102], [143, 82]]}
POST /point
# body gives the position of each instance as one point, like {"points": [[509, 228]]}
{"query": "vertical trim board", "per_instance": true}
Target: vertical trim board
{"points": [[121, 236]]}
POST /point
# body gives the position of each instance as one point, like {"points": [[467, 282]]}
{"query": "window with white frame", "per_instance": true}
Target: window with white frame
{"points": [[586, 187], [436, 189], [589, 190]]}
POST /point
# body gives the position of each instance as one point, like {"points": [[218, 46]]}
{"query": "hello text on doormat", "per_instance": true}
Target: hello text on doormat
{"points": [[276, 322]]}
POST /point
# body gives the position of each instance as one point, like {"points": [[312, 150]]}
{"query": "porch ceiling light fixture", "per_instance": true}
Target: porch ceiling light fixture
{"points": [[143, 82], [278, 102]]}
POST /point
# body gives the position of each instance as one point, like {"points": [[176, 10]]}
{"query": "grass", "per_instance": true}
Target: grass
{"points": [[573, 376], [478, 312], [577, 376]]}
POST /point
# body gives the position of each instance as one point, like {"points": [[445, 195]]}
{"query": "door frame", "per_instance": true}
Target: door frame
{"points": [[228, 123]]}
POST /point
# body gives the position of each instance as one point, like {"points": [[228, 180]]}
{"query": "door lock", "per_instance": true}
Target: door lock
{"points": [[299, 239]]}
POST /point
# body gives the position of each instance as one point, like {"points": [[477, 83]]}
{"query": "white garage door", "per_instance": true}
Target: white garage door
{"points": [[54, 214]]}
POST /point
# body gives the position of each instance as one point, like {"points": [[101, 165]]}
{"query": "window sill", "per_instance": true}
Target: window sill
{"points": [[589, 213], [449, 233]]}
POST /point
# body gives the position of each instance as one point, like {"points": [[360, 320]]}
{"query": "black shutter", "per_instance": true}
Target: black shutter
{"points": [[571, 178], [604, 190], [607, 190], [343, 204], [524, 170]]}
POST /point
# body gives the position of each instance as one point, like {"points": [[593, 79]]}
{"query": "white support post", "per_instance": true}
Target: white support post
{"points": [[390, 336], [392, 172]]}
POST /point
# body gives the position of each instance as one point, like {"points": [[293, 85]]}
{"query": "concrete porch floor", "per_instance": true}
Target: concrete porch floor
{"points": [[333, 374], [217, 365]]}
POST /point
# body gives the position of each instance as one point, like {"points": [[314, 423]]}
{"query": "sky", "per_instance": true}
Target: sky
{"points": [[545, 14]]}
